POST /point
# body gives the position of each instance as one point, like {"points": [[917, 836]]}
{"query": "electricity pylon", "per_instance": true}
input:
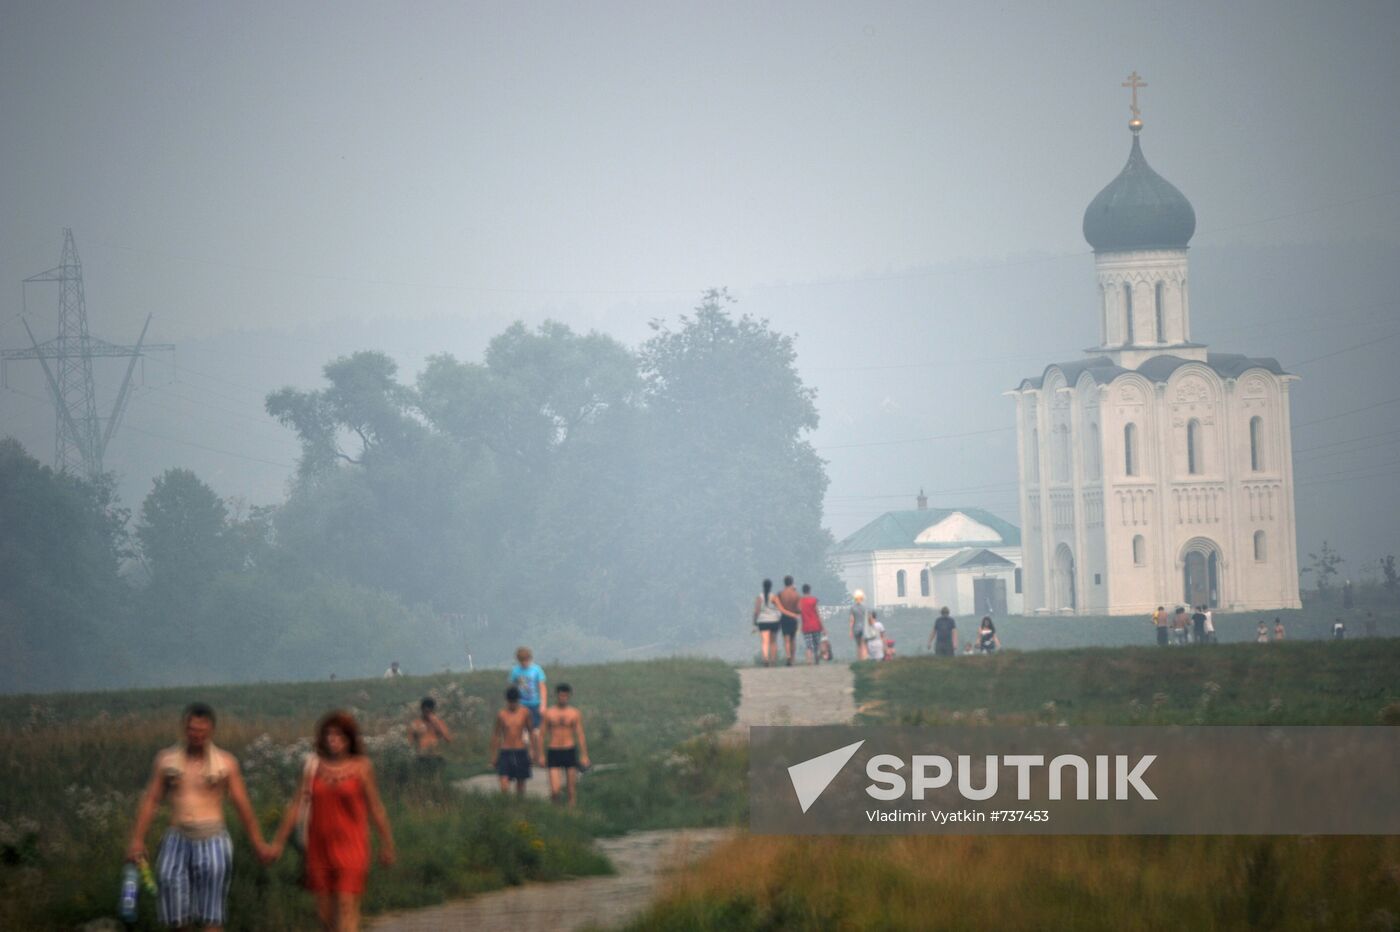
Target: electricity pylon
{"points": [[80, 438]]}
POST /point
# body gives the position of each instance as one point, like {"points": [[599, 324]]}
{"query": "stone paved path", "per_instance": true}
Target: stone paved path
{"points": [[799, 695], [642, 860]]}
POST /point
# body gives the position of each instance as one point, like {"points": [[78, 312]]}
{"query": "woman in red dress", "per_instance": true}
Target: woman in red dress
{"points": [[338, 788]]}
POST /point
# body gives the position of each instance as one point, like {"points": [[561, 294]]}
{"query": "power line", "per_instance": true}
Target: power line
{"points": [[1348, 349], [887, 443], [1338, 443], [1333, 417], [200, 446]]}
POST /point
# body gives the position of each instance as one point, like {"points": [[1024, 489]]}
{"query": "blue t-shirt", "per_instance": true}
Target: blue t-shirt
{"points": [[528, 680]]}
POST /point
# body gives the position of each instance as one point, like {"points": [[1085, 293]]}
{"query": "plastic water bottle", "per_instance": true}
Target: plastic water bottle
{"points": [[126, 908]]}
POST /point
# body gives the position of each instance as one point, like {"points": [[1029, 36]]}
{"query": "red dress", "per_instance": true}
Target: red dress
{"points": [[337, 836]]}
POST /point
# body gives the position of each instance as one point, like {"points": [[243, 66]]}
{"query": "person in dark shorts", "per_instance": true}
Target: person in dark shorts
{"points": [[566, 748], [944, 636], [859, 620], [1198, 624], [1159, 621], [510, 743], [766, 617], [790, 604]]}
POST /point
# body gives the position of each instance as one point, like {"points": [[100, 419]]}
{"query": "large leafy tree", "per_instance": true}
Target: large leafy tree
{"points": [[734, 485], [184, 532], [565, 482], [62, 540]]}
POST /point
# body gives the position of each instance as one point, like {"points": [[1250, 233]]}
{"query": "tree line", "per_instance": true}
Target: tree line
{"points": [[564, 490]]}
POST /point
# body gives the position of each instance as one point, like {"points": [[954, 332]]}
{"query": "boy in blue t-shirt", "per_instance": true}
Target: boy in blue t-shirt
{"points": [[528, 677]]}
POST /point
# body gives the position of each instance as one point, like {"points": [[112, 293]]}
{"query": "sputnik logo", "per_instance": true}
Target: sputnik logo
{"points": [[811, 777]]}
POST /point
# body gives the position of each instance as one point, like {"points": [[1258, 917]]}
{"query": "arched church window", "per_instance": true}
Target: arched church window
{"points": [[923, 583], [1256, 443], [1128, 313], [1161, 313], [1261, 552], [1193, 447], [1130, 457], [899, 584], [1091, 452], [1139, 551]]}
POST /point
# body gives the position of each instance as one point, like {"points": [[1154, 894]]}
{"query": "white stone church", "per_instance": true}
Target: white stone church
{"points": [[1154, 472]]}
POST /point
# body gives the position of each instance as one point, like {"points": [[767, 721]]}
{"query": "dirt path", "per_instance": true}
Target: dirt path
{"points": [[642, 859], [801, 695]]}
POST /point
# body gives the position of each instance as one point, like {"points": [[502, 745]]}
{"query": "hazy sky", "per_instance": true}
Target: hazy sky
{"points": [[320, 177]]}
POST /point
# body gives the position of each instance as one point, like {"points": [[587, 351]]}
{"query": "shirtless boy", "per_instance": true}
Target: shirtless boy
{"points": [[511, 740], [195, 862], [567, 749], [426, 732]]}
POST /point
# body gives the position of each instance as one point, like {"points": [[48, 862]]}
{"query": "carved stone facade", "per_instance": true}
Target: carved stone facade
{"points": [[1153, 472]]}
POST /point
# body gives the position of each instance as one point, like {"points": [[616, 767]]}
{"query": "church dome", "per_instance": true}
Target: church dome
{"points": [[1139, 210]]}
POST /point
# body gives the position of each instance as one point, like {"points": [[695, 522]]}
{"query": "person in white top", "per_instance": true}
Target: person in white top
{"points": [[1210, 625], [875, 638]]}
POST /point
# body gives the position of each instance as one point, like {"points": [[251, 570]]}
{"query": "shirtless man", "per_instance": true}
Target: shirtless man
{"points": [[789, 603], [427, 730], [567, 751], [195, 862], [511, 740]]}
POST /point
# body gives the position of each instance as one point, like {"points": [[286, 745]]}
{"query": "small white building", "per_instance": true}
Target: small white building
{"points": [[965, 558], [1154, 472]]}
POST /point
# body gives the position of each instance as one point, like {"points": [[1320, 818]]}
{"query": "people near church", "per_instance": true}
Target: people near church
{"points": [[393, 672], [1278, 629], [766, 617], [858, 620], [987, 640], [1198, 624], [1210, 625], [812, 628], [1179, 625], [1262, 635], [944, 636], [874, 637], [1161, 622], [1339, 630], [789, 604]]}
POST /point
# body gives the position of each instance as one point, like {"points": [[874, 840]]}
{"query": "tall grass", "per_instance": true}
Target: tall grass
{"points": [[72, 767], [961, 882], [1068, 882]]}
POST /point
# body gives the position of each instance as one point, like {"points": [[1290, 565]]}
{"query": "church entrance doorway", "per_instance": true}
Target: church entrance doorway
{"points": [[1201, 574], [1065, 595], [989, 596]]}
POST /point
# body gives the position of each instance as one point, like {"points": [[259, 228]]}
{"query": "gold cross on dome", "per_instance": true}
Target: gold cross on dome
{"points": [[1135, 82]]}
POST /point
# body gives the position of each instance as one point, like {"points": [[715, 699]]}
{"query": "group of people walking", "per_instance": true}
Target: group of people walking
{"points": [[336, 802], [1181, 628], [783, 613]]}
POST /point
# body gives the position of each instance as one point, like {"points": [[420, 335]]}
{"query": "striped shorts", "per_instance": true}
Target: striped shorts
{"points": [[194, 878]]}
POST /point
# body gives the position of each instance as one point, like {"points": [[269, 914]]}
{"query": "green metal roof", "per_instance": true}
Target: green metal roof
{"points": [[896, 530]]}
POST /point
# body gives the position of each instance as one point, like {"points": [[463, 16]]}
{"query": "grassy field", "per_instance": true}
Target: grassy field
{"points": [[72, 766], [1292, 683], [1118, 883]]}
